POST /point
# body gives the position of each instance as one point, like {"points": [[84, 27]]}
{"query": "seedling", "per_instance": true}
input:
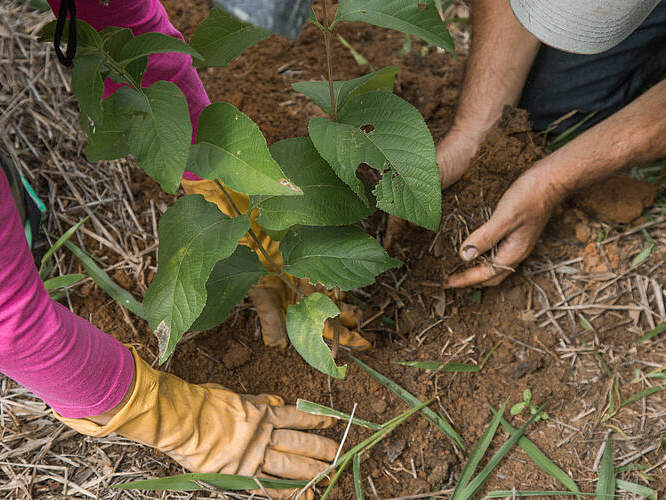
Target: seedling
{"points": [[527, 403], [306, 190]]}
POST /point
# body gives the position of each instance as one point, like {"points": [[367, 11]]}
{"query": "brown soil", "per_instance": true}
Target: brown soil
{"points": [[430, 323]]}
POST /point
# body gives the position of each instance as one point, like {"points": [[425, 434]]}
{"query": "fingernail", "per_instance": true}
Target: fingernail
{"points": [[470, 252]]}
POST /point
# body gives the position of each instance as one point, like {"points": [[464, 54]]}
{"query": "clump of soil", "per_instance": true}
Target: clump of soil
{"points": [[619, 199]]}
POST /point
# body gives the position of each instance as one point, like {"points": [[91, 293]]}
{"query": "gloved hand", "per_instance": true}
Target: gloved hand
{"points": [[207, 428], [271, 295]]}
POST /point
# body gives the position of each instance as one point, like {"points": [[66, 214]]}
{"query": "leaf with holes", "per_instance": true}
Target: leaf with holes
{"points": [[194, 235], [227, 284], [157, 129], [382, 79], [346, 257], [326, 200], [305, 324], [414, 17], [220, 38], [389, 134], [231, 147]]}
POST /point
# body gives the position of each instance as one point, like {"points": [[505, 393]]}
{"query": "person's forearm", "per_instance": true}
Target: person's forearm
{"points": [[634, 135], [500, 58]]}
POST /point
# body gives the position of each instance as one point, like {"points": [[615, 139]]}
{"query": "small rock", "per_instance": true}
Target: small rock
{"points": [[237, 355], [526, 367], [394, 446], [618, 199], [439, 474], [584, 232], [378, 406]]}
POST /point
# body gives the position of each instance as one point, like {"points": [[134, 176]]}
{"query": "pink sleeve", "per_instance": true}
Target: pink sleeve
{"points": [[75, 368], [144, 16]]}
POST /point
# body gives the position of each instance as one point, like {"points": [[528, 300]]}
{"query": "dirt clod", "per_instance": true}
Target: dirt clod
{"points": [[619, 199]]}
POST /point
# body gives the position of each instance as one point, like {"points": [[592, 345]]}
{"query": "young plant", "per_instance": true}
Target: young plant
{"points": [[527, 403], [306, 190]]}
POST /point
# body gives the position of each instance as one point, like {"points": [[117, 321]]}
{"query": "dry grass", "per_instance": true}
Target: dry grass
{"points": [[41, 458]]}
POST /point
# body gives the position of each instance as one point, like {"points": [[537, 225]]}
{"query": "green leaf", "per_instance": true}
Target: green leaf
{"points": [[63, 281], [527, 396], [194, 235], [99, 276], [636, 489], [478, 452], [326, 200], [382, 79], [517, 408], [534, 493], [115, 40], [389, 134], [606, 483], [188, 482], [154, 43], [658, 330], [59, 242], [413, 17], [232, 148], [107, 140], [227, 284], [441, 366], [538, 457], [317, 409], [476, 483], [305, 324], [413, 401], [358, 486], [86, 35], [643, 255], [220, 38], [158, 130], [87, 84], [346, 257]]}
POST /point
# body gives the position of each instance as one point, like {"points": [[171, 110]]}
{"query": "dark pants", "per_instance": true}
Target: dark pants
{"points": [[560, 82]]}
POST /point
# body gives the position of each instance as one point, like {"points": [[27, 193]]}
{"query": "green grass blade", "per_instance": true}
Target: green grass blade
{"points": [[59, 242], [660, 328], [606, 483], [412, 400], [477, 454], [358, 486], [539, 458], [534, 493], [187, 482], [63, 281], [117, 293], [439, 366], [482, 476], [317, 409], [336, 477], [637, 489]]}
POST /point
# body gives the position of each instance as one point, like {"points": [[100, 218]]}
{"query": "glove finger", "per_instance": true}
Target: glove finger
{"points": [[290, 417], [350, 315], [348, 338], [279, 494], [264, 399], [303, 443], [291, 466], [268, 302]]}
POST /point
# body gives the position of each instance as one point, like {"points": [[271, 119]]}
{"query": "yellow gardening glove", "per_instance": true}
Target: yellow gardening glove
{"points": [[207, 428], [271, 295]]}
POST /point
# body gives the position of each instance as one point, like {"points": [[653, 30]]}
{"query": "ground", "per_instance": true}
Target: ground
{"points": [[581, 297]]}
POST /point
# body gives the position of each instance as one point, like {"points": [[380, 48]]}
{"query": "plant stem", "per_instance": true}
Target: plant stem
{"points": [[329, 62], [277, 269]]}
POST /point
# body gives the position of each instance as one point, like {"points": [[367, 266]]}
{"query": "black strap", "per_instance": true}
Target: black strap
{"points": [[66, 6]]}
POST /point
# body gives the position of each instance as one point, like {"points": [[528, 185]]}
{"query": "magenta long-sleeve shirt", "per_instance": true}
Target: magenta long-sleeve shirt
{"points": [[75, 368]]}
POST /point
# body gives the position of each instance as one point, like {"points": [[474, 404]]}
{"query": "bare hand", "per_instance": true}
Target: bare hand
{"points": [[516, 224]]}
